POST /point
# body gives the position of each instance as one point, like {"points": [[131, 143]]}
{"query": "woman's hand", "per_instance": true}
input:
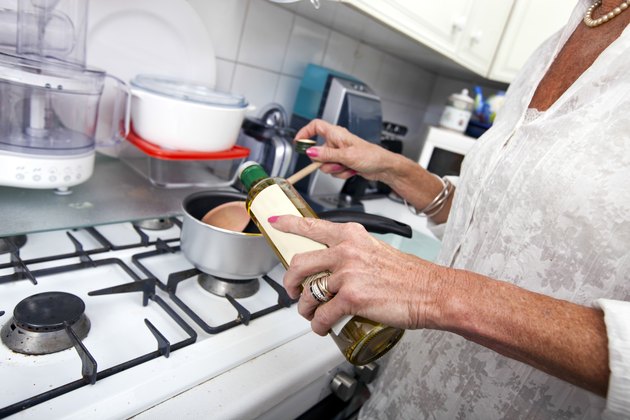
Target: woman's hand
{"points": [[373, 280], [369, 278], [345, 154]]}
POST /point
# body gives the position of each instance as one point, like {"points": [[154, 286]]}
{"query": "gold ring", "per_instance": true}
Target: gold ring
{"points": [[318, 286]]}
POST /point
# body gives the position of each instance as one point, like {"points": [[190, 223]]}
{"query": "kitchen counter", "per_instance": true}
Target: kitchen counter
{"points": [[114, 193]]}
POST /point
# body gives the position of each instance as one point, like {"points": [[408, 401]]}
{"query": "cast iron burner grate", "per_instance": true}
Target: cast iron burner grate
{"points": [[14, 243], [244, 315], [89, 371], [138, 226], [39, 323], [9, 243]]}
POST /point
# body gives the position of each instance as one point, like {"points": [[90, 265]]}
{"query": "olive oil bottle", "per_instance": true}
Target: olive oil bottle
{"points": [[360, 340]]}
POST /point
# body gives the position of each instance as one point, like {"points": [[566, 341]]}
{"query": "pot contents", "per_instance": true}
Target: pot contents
{"points": [[230, 216]]}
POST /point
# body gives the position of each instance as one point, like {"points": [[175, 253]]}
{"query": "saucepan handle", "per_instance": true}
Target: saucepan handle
{"points": [[372, 222]]}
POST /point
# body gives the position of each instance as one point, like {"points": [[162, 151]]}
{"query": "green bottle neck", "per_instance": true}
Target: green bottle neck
{"points": [[251, 174]]}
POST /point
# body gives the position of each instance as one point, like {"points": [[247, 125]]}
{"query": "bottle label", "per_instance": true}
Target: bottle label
{"points": [[272, 201]]}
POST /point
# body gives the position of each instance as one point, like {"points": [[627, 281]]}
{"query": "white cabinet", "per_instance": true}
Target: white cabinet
{"points": [[490, 37], [467, 31], [436, 24], [482, 34], [538, 20]]}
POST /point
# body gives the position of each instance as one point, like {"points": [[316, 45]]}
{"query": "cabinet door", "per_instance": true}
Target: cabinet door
{"points": [[437, 24], [486, 23], [531, 23]]}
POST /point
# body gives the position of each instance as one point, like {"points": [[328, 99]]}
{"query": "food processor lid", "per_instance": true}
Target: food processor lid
{"points": [[187, 91], [48, 74]]}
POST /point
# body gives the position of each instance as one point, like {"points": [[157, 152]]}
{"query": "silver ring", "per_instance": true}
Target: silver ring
{"points": [[318, 286], [317, 294]]}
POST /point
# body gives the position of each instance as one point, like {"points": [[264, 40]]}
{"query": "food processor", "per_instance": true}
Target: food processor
{"points": [[49, 100]]}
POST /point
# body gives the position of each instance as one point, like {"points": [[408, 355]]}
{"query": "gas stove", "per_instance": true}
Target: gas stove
{"points": [[110, 320]]}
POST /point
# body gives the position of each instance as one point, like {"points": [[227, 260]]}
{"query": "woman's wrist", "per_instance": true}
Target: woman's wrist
{"points": [[396, 169], [446, 303]]}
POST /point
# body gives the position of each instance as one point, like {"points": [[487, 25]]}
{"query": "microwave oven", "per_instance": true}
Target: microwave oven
{"points": [[444, 151]]}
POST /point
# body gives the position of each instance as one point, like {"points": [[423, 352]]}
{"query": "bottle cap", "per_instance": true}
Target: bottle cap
{"points": [[250, 173]]}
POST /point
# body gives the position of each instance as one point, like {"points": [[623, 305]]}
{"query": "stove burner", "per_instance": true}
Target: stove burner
{"points": [[18, 241], [38, 323], [235, 288], [154, 224]]}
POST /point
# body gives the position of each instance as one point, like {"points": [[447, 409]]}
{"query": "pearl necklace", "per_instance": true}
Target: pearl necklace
{"points": [[591, 23]]}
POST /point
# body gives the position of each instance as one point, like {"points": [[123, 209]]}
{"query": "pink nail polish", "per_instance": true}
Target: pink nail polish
{"points": [[312, 152], [273, 219]]}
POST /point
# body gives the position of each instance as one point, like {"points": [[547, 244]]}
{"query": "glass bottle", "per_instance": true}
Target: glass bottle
{"points": [[360, 340]]}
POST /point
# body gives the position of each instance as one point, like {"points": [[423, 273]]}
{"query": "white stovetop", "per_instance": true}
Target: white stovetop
{"points": [[118, 333]]}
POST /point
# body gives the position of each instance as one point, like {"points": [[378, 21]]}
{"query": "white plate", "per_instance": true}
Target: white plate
{"points": [[130, 37], [163, 37]]}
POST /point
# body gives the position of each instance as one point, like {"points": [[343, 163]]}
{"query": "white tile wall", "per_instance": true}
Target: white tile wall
{"points": [[307, 44], [265, 35], [367, 64], [340, 52], [262, 50], [287, 91], [258, 85]]}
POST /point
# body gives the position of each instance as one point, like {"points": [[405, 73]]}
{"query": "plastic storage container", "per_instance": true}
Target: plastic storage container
{"points": [[178, 169]]}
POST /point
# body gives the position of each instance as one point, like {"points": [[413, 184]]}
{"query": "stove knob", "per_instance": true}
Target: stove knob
{"points": [[367, 373], [344, 386]]}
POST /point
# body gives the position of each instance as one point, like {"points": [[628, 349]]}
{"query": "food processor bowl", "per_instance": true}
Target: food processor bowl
{"points": [[48, 118], [47, 108]]}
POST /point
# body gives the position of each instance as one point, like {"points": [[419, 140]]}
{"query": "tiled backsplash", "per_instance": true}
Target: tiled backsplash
{"points": [[262, 50]]}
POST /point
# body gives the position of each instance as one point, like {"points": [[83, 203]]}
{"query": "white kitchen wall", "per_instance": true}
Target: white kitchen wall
{"points": [[262, 50]]}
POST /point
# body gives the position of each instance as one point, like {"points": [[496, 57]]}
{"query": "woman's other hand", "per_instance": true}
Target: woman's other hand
{"points": [[369, 278], [345, 154]]}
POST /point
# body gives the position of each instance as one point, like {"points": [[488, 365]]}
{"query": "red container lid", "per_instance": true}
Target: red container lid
{"points": [[236, 152]]}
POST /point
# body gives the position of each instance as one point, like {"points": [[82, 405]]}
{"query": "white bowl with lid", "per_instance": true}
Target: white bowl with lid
{"points": [[181, 115]]}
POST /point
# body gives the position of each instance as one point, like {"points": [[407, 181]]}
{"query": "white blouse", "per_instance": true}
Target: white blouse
{"points": [[543, 201]]}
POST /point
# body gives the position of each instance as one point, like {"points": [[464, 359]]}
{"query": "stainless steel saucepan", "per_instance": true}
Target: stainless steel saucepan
{"points": [[243, 255]]}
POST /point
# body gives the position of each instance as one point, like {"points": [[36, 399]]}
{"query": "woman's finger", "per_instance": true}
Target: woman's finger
{"points": [[316, 127], [319, 230], [307, 264], [326, 315], [307, 304]]}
